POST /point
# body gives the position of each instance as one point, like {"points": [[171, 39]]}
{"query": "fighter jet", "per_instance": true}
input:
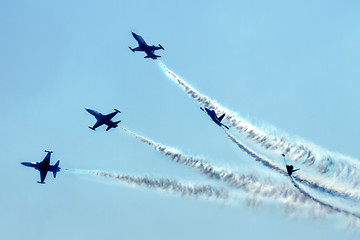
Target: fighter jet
{"points": [[143, 47], [289, 168], [214, 117], [44, 167], [103, 119]]}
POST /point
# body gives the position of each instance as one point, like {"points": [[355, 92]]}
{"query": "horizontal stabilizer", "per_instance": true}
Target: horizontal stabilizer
{"points": [[115, 123]]}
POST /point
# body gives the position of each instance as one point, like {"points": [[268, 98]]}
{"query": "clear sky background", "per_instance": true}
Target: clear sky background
{"points": [[291, 64]]}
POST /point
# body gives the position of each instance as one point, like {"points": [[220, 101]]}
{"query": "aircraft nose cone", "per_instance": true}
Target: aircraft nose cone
{"points": [[26, 164], [87, 109], [134, 34]]}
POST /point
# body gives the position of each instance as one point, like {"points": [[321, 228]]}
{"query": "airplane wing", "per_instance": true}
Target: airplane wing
{"points": [[97, 124], [43, 175], [136, 49], [46, 160], [111, 115], [153, 48], [284, 159]]}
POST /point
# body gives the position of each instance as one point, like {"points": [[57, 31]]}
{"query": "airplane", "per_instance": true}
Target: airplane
{"points": [[143, 47], [214, 117], [103, 119], [44, 167], [289, 168]]}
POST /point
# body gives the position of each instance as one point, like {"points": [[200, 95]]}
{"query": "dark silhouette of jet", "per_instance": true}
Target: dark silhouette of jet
{"points": [[214, 117], [103, 119], [143, 47], [44, 167], [289, 168]]}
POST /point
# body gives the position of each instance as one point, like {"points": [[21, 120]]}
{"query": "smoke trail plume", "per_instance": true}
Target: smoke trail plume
{"points": [[347, 194], [244, 182], [326, 205], [167, 185], [301, 153], [250, 184]]}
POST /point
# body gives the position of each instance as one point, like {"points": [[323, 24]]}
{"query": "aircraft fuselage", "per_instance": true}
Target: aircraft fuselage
{"points": [[213, 116], [44, 166], [144, 47], [139, 39]]}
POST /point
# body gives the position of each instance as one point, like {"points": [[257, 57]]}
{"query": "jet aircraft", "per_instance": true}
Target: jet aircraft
{"points": [[44, 167], [143, 47], [214, 117], [289, 168], [103, 119]]}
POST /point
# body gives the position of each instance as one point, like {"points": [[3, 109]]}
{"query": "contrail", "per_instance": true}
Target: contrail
{"points": [[167, 185], [266, 162], [326, 205], [345, 167], [244, 182], [248, 183]]}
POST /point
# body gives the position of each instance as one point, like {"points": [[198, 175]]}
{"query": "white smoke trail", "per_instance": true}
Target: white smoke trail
{"points": [[332, 190], [302, 153], [247, 183], [165, 184]]}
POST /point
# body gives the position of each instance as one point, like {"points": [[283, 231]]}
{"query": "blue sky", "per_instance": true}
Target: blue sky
{"points": [[293, 65]]}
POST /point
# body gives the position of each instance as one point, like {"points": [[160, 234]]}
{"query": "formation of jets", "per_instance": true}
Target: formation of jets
{"points": [[44, 166]]}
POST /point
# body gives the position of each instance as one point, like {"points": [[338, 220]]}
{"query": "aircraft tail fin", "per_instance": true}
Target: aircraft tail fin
{"points": [[116, 123], [56, 167], [221, 117]]}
